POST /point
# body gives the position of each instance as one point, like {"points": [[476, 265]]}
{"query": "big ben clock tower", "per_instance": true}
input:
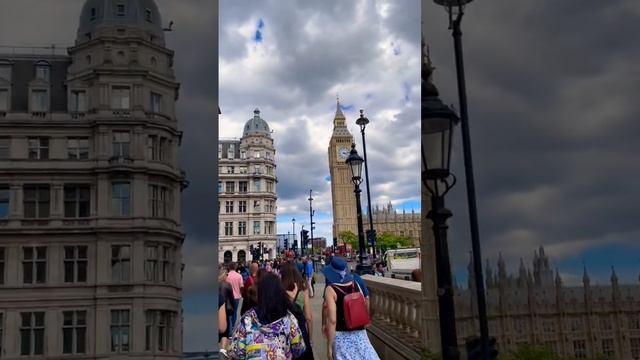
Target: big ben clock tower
{"points": [[342, 196]]}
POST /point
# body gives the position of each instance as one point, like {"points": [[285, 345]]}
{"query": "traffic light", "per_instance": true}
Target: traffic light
{"points": [[286, 243], [371, 237], [474, 349], [305, 238], [295, 243], [335, 242]]}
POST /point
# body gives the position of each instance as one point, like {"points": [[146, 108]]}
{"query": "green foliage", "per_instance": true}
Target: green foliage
{"points": [[348, 237], [390, 241]]}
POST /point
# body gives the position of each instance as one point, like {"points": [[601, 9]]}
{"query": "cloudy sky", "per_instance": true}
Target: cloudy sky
{"points": [[291, 58], [553, 107], [38, 23]]}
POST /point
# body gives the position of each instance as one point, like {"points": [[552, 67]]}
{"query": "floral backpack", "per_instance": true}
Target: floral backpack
{"points": [[255, 341]]}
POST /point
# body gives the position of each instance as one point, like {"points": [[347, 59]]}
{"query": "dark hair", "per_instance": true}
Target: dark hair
{"points": [[273, 302], [232, 266], [290, 275]]}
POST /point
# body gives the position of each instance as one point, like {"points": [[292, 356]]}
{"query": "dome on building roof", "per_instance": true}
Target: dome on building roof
{"points": [[143, 14], [256, 125]]}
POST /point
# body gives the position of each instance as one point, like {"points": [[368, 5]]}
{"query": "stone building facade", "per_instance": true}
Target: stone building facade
{"points": [[535, 307], [90, 188], [389, 220], [247, 192]]}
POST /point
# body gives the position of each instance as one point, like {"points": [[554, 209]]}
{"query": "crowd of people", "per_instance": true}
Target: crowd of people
{"points": [[273, 301]]}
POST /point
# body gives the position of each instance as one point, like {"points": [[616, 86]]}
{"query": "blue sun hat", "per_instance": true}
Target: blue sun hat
{"points": [[337, 271]]}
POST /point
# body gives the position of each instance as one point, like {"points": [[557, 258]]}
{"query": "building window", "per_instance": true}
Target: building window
{"points": [[270, 206], [36, 201], [256, 154], [120, 262], [219, 190], [75, 264], [605, 323], [243, 154], [158, 330], [152, 147], [231, 169], [607, 348], [158, 263], [256, 185], [268, 227], [120, 96], [121, 144], [77, 148], [158, 148], [242, 206], [580, 349], [34, 264], [634, 322], [635, 348], [242, 228], [4, 100], [270, 186], [228, 207], [256, 206], [2, 266], [219, 151], [5, 147], [121, 10], [74, 332], [228, 228], [243, 169], [159, 201], [93, 14], [32, 333], [78, 101], [242, 187], [5, 71], [231, 151], [577, 324], [230, 188], [43, 72], [76, 201], [5, 200], [156, 102], [38, 148], [39, 100], [148, 16], [120, 330], [256, 228], [121, 198]]}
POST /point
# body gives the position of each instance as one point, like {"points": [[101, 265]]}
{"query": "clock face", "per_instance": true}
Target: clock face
{"points": [[343, 152]]}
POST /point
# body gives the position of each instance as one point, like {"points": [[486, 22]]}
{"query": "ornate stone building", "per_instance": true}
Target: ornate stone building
{"points": [[535, 307], [342, 197], [389, 220], [90, 188], [247, 192]]}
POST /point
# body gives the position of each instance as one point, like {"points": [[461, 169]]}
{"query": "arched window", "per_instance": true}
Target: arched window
{"points": [[242, 256], [227, 257]]}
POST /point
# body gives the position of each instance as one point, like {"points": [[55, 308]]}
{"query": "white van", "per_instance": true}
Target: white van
{"points": [[401, 262]]}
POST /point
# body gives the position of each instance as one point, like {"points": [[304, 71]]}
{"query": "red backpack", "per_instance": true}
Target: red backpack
{"points": [[355, 308]]}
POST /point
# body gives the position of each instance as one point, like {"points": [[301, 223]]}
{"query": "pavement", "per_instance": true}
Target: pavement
{"points": [[319, 341]]}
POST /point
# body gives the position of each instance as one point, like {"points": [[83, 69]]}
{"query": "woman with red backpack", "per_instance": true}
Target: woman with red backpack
{"points": [[345, 315]]}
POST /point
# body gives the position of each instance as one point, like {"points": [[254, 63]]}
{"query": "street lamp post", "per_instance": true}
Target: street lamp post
{"points": [[354, 161], [457, 6], [438, 121], [311, 212], [294, 227], [362, 122]]}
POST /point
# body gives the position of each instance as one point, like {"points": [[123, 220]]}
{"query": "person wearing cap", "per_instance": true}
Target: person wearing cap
{"points": [[343, 343]]}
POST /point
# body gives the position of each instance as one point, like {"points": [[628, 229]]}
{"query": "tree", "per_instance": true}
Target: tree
{"points": [[348, 237], [388, 240]]}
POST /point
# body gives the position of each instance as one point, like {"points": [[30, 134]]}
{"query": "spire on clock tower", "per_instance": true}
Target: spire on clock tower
{"points": [[339, 120]]}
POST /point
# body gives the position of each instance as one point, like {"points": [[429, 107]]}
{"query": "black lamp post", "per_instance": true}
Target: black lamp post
{"points": [[311, 213], [362, 122], [438, 121], [456, 7], [354, 161]]}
